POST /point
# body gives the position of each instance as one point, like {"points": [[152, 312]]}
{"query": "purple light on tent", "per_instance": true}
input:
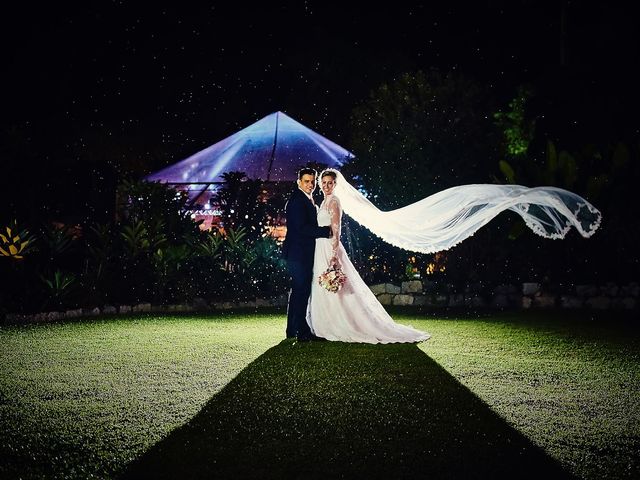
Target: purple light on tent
{"points": [[272, 149]]}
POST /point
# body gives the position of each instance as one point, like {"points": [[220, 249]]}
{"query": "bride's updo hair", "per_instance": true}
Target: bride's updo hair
{"points": [[328, 172]]}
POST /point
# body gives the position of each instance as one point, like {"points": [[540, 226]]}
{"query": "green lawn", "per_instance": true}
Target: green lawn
{"points": [[526, 395]]}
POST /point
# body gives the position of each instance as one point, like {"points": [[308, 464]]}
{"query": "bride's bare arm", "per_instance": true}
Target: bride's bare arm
{"points": [[335, 210]]}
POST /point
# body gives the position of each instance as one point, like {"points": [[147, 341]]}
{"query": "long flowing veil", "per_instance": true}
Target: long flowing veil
{"points": [[444, 219]]}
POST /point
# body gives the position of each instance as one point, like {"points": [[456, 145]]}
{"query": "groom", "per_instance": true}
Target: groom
{"points": [[298, 249]]}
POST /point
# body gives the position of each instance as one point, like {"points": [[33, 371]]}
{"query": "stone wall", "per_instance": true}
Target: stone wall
{"points": [[411, 293], [526, 295], [198, 305]]}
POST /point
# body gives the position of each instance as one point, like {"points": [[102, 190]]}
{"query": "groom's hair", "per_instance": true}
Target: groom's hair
{"points": [[306, 171]]}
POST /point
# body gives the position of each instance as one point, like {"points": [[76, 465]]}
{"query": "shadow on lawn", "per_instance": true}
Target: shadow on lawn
{"points": [[329, 409]]}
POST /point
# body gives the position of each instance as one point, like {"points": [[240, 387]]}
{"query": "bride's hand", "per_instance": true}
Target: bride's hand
{"points": [[335, 262]]}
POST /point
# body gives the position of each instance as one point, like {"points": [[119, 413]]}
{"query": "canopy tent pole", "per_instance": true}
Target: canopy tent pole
{"points": [[206, 187], [275, 143]]}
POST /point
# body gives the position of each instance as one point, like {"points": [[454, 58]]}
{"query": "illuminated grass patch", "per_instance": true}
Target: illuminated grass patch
{"points": [[496, 396]]}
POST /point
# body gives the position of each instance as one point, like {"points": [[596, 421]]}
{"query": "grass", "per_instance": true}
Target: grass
{"points": [[524, 395]]}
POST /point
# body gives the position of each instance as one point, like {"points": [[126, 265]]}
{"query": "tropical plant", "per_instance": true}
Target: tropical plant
{"points": [[203, 270], [517, 129], [99, 247], [242, 204], [235, 265], [16, 242], [210, 245], [135, 238], [269, 269], [59, 286], [17, 288], [59, 240], [169, 263], [237, 254], [98, 267], [169, 258], [153, 204], [139, 240]]}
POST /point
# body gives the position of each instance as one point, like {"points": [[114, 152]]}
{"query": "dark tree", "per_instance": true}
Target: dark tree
{"points": [[413, 137], [241, 202], [422, 133]]}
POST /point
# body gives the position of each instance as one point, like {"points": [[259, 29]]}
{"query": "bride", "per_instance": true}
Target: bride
{"points": [[353, 314], [435, 223]]}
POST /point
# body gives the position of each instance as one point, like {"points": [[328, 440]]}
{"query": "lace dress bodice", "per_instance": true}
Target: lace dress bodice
{"points": [[324, 217], [330, 213]]}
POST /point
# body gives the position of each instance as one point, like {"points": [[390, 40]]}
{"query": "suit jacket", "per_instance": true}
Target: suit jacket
{"points": [[302, 228]]}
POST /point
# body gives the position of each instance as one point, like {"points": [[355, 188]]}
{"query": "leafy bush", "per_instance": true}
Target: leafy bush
{"points": [[154, 252]]}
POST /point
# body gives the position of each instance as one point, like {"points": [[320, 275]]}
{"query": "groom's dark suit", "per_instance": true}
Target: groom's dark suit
{"points": [[298, 248]]}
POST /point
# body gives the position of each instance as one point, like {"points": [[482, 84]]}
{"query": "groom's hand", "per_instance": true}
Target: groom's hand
{"points": [[330, 234]]}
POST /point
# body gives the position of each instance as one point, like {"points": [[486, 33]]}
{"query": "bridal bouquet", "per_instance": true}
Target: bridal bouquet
{"points": [[332, 279]]}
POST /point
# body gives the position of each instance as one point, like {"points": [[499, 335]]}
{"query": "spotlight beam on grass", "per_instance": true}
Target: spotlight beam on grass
{"points": [[103, 397]]}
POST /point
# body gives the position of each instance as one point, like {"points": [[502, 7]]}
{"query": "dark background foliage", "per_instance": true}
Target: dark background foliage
{"points": [[98, 94], [152, 252]]}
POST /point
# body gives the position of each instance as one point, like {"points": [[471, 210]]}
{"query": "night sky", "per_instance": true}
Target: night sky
{"points": [[167, 81]]}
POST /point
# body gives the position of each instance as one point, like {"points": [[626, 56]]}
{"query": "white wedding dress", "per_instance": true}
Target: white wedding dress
{"points": [[433, 224], [353, 314]]}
